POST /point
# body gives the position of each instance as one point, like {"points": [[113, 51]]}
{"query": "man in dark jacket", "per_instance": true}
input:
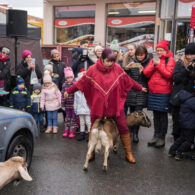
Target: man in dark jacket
{"points": [[80, 59], [58, 67], [183, 79], [25, 69], [5, 77]]}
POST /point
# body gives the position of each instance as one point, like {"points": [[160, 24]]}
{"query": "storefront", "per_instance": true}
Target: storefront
{"points": [[139, 22], [175, 23]]}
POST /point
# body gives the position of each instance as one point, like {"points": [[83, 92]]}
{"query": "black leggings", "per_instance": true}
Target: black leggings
{"points": [[160, 124]]}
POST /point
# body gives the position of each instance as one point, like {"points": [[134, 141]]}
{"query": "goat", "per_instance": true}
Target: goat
{"points": [[12, 169], [138, 118], [104, 135]]}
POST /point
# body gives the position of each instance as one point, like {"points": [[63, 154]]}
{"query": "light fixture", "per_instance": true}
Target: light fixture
{"points": [[147, 12], [112, 13]]}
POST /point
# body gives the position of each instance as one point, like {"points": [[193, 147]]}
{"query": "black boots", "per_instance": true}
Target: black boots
{"points": [[135, 131], [81, 136]]}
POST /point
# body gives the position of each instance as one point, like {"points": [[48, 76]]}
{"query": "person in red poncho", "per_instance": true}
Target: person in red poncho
{"points": [[160, 72], [105, 86]]}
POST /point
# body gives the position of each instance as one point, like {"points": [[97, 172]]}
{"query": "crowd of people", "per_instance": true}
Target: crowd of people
{"points": [[107, 83]]}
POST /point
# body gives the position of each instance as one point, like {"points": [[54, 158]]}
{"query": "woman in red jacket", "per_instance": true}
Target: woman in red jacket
{"points": [[105, 86], [160, 72]]}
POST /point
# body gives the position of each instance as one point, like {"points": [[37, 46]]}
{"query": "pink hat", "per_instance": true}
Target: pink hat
{"points": [[26, 53], [68, 72], [47, 77]]}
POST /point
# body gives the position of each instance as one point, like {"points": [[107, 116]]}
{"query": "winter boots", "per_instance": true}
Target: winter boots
{"points": [[81, 136], [55, 129], [49, 129], [135, 130], [72, 134], [126, 141], [65, 134]]}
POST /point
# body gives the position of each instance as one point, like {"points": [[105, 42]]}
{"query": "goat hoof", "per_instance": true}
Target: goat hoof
{"points": [[105, 168], [85, 169]]}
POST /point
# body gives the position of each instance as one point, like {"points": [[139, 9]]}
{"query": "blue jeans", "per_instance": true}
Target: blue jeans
{"points": [[52, 117], [38, 118]]}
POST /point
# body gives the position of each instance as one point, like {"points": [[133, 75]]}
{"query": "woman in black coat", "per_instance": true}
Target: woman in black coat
{"points": [[137, 100], [58, 68], [25, 69], [5, 76], [183, 79]]}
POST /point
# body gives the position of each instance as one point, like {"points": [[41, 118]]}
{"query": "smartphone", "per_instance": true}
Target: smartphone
{"points": [[155, 57], [84, 52], [33, 60]]}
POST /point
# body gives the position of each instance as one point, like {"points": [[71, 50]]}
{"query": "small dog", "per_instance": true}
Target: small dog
{"points": [[12, 169]]}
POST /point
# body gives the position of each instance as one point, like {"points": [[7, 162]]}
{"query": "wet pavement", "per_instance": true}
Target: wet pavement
{"points": [[57, 170]]}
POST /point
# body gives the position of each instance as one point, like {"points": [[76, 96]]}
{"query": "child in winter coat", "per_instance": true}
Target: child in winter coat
{"points": [[81, 108], [36, 111], [51, 102], [68, 104], [54, 76], [105, 86], [187, 124], [20, 96]]}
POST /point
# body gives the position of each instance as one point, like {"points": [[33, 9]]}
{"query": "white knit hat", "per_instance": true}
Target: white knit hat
{"points": [[47, 77], [5, 49], [98, 47], [49, 67]]}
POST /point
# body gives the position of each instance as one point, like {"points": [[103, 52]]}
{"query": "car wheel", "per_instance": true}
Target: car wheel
{"points": [[21, 145]]}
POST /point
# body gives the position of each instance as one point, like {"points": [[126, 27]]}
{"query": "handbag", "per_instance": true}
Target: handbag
{"points": [[33, 78]]}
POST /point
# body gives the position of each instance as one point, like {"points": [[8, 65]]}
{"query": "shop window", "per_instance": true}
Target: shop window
{"points": [[131, 23], [73, 24], [183, 30], [185, 8], [167, 8]]}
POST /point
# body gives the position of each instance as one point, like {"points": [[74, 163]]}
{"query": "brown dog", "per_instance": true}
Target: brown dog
{"points": [[12, 169]]}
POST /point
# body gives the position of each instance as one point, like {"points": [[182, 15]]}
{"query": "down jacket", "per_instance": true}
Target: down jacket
{"points": [[187, 110], [50, 98], [182, 79], [20, 98], [160, 75], [138, 98], [80, 104]]}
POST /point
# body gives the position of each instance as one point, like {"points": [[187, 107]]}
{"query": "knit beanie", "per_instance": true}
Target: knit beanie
{"points": [[49, 67], [6, 50], [164, 45], [114, 45], [98, 47], [37, 86], [80, 51], [26, 53], [47, 77], [54, 51], [68, 72], [20, 81], [190, 49]]}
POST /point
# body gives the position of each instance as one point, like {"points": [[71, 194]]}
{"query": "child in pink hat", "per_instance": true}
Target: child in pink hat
{"points": [[51, 102], [68, 104]]}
